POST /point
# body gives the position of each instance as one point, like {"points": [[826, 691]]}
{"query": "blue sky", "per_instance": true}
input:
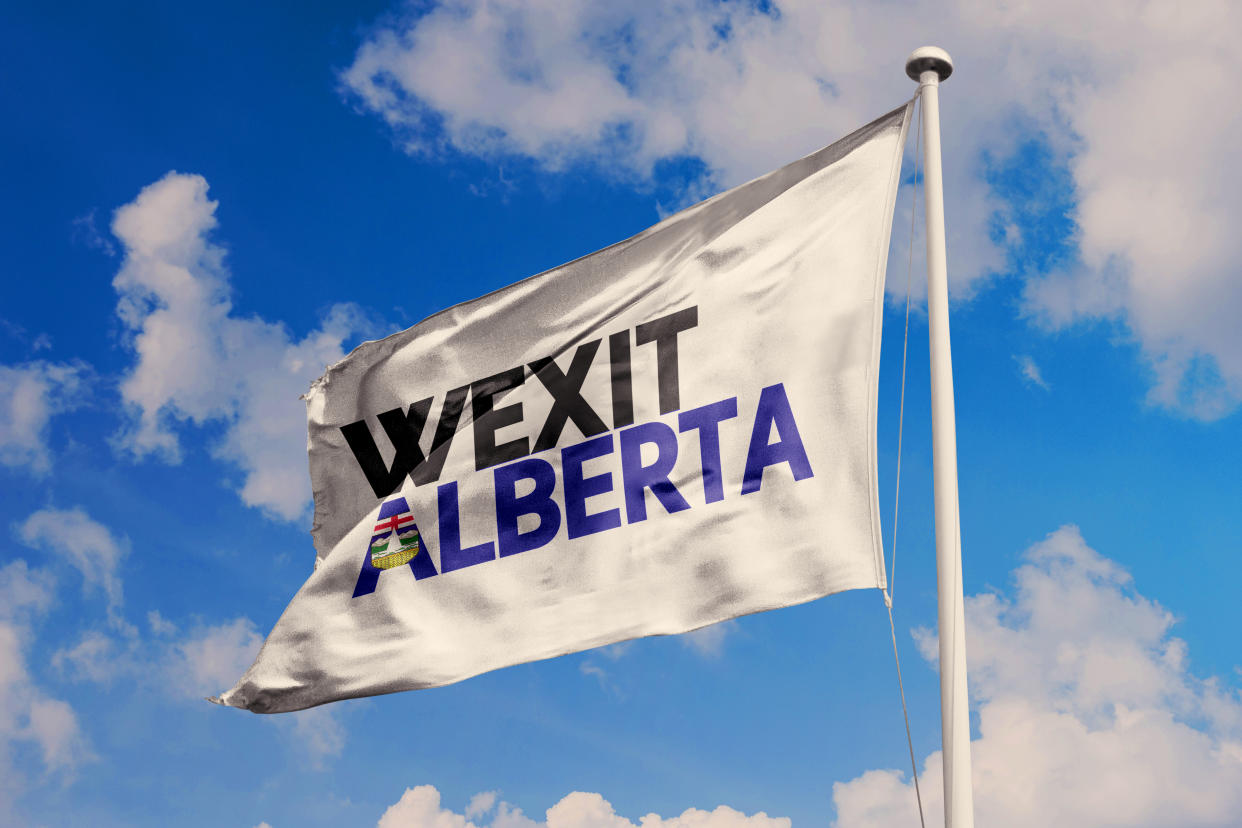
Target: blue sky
{"points": [[348, 169]]}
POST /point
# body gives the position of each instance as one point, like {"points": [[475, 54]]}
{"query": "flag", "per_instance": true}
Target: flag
{"points": [[673, 431]]}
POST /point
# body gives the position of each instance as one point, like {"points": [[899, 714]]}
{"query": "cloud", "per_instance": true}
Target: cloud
{"points": [[25, 592], [420, 807], [72, 536], [318, 731], [706, 642], [27, 713], [1088, 713], [1148, 203], [53, 725], [588, 668], [194, 665], [30, 395], [199, 362], [212, 657], [1030, 371], [85, 543], [628, 88], [709, 641], [481, 803], [86, 232], [96, 657], [159, 624]]}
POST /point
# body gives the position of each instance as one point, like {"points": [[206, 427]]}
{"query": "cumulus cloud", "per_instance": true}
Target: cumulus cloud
{"points": [[744, 87], [625, 87], [27, 714], [198, 361], [24, 591], [481, 803], [1088, 713], [214, 656], [30, 395], [85, 543], [195, 665], [96, 657], [420, 808], [54, 726]]}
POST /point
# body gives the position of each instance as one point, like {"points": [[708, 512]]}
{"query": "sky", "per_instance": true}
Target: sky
{"points": [[205, 205]]}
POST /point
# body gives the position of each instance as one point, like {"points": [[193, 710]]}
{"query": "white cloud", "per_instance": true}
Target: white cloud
{"points": [[27, 713], [625, 86], [96, 657], [213, 657], [197, 664], [616, 652], [1030, 371], [194, 665], [198, 361], [30, 395], [159, 624], [590, 668], [1148, 150], [318, 731], [1088, 714], [420, 807], [25, 592], [481, 803], [709, 641], [88, 545], [52, 724], [86, 232]]}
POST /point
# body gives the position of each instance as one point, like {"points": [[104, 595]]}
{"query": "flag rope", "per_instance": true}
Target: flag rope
{"points": [[918, 796], [905, 347], [901, 417]]}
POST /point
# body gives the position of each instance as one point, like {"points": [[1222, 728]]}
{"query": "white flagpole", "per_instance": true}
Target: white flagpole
{"points": [[929, 66]]}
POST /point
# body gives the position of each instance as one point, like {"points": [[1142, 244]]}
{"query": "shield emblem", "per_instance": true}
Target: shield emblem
{"points": [[388, 551]]}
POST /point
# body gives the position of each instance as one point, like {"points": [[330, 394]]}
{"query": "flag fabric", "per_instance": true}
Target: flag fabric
{"points": [[673, 431]]}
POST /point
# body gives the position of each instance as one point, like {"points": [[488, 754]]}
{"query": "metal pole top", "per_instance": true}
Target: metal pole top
{"points": [[927, 58]]}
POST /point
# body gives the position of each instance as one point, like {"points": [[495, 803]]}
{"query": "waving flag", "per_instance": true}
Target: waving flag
{"points": [[676, 430]]}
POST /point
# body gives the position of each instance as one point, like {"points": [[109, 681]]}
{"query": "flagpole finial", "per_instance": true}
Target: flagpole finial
{"points": [[929, 57]]}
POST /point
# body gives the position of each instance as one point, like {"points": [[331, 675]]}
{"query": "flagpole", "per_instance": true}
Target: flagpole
{"points": [[929, 66]]}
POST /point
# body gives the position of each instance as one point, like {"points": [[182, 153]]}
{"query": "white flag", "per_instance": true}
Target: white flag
{"points": [[676, 430]]}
